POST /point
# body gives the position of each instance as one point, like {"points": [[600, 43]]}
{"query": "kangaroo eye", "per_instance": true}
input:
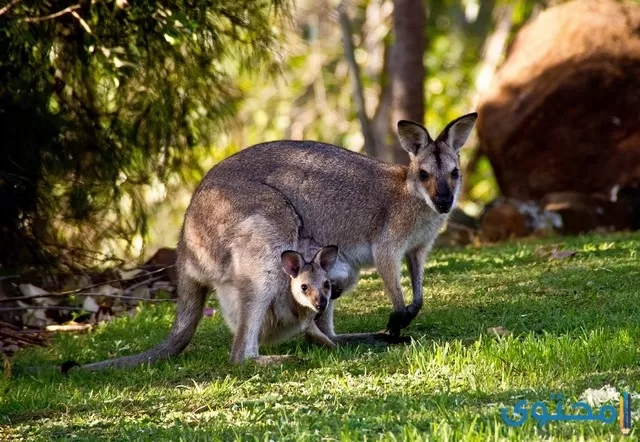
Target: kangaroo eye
{"points": [[327, 285], [304, 287], [455, 173], [424, 175]]}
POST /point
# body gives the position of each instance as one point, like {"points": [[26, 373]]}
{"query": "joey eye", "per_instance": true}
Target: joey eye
{"points": [[304, 287], [455, 173], [424, 175], [327, 285]]}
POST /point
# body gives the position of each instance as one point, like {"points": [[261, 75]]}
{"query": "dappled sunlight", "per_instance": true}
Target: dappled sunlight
{"points": [[574, 324]]}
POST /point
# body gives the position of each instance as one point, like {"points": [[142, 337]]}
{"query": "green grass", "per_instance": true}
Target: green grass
{"points": [[575, 325]]}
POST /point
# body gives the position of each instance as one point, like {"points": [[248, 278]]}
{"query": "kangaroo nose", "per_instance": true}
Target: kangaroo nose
{"points": [[443, 204], [322, 303]]}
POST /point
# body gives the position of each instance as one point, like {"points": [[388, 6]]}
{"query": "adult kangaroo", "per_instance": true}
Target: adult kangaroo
{"points": [[258, 203]]}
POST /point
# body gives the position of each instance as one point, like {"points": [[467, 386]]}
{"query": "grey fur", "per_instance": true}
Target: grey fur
{"points": [[266, 199]]}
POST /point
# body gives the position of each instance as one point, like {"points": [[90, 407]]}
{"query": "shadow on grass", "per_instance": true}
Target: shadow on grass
{"points": [[501, 287]]}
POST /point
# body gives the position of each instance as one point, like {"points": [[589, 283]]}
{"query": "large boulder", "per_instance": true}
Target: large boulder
{"points": [[563, 113]]}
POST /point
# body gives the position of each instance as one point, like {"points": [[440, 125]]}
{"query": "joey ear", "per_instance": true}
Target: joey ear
{"points": [[326, 257], [413, 136], [457, 132], [292, 262]]}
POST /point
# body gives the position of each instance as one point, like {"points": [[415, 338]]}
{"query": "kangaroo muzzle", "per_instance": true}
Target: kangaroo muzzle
{"points": [[444, 197], [321, 303]]}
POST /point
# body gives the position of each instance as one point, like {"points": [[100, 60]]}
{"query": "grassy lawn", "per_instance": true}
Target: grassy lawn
{"points": [[574, 323]]}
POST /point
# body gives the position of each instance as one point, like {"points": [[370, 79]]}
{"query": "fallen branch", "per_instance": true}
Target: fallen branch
{"points": [[71, 292], [41, 307], [23, 338], [8, 277], [125, 296], [7, 325], [64, 307], [77, 291], [68, 327]]}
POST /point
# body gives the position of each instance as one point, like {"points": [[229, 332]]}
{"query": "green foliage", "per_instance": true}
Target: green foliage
{"points": [[101, 100], [575, 325], [313, 98]]}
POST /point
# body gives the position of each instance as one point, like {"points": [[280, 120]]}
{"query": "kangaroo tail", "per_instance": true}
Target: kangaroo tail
{"points": [[191, 298]]}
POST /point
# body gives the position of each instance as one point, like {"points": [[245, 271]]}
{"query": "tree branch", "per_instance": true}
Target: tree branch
{"points": [[9, 6], [51, 16], [356, 81]]}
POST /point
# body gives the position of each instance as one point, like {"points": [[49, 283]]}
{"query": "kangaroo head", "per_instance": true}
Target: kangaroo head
{"points": [[434, 167], [310, 284]]}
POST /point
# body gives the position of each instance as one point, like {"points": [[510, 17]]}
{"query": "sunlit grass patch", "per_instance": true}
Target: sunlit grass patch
{"points": [[572, 324]]}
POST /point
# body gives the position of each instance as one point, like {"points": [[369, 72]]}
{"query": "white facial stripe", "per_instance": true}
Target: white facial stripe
{"points": [[303, 300], [417, 189], [427, 199]]}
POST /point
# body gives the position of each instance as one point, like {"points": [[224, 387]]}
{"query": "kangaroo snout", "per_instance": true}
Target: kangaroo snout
{"points": [[444, 203], [321, 303]]}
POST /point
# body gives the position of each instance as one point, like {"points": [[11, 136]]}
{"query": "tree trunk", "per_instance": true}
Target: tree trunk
{"points": [[409, 73], [492, 52], [384, 134], [356, 81]]}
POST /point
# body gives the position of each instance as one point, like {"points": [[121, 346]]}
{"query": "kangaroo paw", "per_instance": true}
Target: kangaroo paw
{"points": [[399, 320]]}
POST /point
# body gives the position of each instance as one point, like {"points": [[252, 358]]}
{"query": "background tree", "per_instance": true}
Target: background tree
{"points": [[99, 100], [408, 72], [112, 111]]}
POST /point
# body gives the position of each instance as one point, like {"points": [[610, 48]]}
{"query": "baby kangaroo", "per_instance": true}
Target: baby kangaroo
{"points": [[296, 311]]}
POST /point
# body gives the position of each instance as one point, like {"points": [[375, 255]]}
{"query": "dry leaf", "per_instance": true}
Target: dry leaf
{"points": [[596, 397], [562, 254], [553, 253], [499, 331], [32, 290], [31, 317], [141, 292], [129, 274], [75, 282], [106, 289], [90, 304]]}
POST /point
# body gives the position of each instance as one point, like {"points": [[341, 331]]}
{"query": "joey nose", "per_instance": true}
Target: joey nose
{"points": [[321, 305]]}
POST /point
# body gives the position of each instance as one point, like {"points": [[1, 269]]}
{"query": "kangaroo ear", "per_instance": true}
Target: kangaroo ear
{"points": [[457, 132], [413, 136], [326, 257], [292, 262]]}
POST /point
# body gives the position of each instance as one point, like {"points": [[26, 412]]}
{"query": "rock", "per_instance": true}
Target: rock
{"points": [[508, 217], [563, 113], [165, 257], [583, 212], [12, 348], [461, 230], [455, 235], [630, 195], [502, 221]]}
